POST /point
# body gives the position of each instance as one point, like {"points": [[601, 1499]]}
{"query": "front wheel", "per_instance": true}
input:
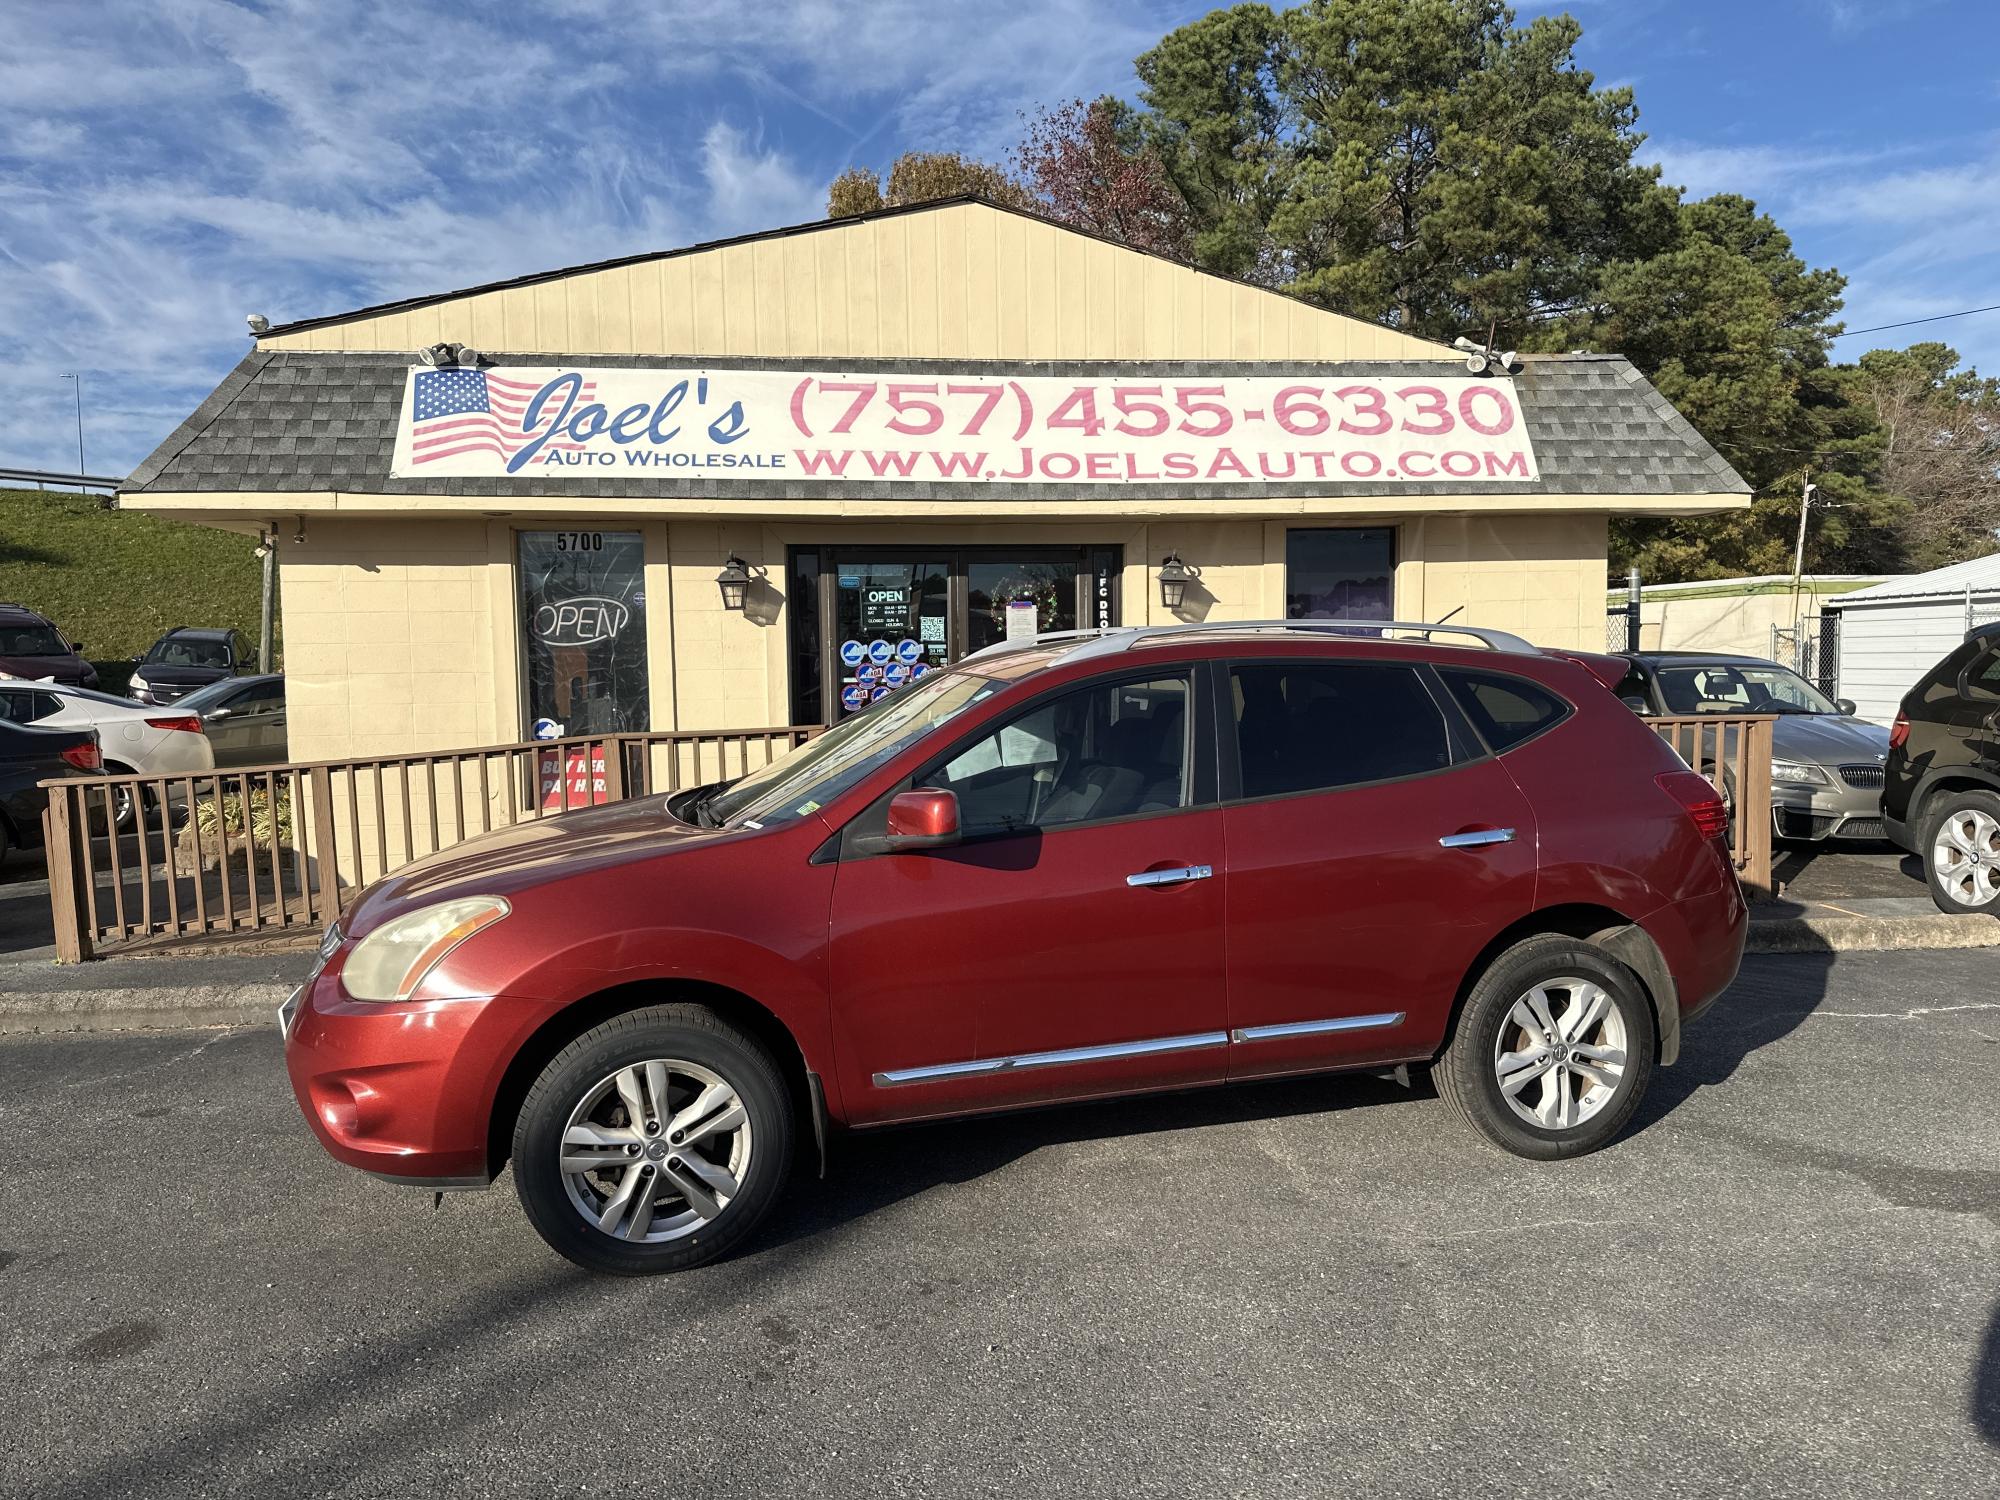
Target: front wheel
{"points": [[655, 1142], [1962, 853], [1553, 1050]]}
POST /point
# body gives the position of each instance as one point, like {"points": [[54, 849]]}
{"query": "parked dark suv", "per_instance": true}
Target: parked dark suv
{"points": [[184, 659], [1941, 799], [31, 647]]}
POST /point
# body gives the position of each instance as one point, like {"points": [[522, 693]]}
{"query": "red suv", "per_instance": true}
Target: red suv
{"points": [[1142, 859]]}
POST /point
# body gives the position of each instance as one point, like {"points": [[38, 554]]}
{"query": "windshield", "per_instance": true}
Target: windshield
{"points": [[203, 699], [822, 768], [180, 651], [1739, 688], [31, 640]]}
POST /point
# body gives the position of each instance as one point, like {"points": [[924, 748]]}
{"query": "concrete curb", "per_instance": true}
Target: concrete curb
{"points": [[148, 1009], [1871, 934]]}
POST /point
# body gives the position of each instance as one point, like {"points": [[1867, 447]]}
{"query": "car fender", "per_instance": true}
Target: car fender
{"points": [[1928, 784]]}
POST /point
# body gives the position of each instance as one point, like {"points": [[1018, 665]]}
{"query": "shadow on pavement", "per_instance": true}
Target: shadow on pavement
{"points": [[1771, 997]]}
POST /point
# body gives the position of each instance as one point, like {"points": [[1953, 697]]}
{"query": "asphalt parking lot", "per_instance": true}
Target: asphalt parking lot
{"points": [[1785, 1281]]}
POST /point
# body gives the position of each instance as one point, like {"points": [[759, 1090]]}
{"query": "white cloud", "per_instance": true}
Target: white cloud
{"points": [[750, 188]]}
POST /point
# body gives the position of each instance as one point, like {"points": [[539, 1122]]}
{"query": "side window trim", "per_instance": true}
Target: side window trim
{"points": [[1198, 724], [1462, 745], [1568, 713]]}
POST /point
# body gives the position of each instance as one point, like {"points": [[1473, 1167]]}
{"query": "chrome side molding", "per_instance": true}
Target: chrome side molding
{"points": [[934, 1072], [1315, 1028], [1020, 1060]]}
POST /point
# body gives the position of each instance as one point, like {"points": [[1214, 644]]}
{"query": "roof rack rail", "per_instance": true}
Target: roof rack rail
{"points": [[1111, 639]]}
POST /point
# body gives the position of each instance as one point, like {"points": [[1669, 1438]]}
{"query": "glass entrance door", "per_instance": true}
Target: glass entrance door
{"points": [[871, 620], [891, 624]]}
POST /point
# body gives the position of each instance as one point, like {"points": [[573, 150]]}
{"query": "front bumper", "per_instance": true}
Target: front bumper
{"points": [[405, 1091], [1815, 814]]}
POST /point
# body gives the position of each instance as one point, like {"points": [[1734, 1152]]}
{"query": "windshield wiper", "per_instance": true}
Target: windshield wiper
{"points": [[698, 808]]}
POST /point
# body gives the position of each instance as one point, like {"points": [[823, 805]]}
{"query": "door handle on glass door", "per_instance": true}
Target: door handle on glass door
{"points": [[1171, 877], [1477, 838]]}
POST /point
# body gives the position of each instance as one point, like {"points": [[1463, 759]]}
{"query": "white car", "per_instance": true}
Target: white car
{"points": [[135, 738]]}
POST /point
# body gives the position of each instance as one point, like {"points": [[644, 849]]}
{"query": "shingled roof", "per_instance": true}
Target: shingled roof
{"points": [[297, 422]]}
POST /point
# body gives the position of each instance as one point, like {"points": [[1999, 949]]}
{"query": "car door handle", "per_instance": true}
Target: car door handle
{"points": [[1477, 838], [1171, 877]]}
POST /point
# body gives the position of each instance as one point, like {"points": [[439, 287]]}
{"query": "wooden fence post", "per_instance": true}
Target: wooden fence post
{"points": [[59, 831], [1753, 805], [326, 896]]}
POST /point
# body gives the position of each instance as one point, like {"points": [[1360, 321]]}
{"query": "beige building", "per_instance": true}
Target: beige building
{"points": [[766, 480]]}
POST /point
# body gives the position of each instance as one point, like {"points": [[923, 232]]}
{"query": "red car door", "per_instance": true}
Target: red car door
{"points": [[1373, 853], [1071, 945]]}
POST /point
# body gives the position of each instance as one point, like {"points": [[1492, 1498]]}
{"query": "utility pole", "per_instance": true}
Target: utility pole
{"points": [[1633, 600], [78, 379], [1806, 492], [268, 550]]}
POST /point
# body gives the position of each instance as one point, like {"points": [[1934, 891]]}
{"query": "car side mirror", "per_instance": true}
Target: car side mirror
{"points": [[220, 713], [76, 647], [1845, 705], [923, 818], [1637, 704]]}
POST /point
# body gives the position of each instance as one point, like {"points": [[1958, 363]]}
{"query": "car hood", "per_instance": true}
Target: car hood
{"points": [[165, 676], [557, 847], [1829, 740], [35, 668]]}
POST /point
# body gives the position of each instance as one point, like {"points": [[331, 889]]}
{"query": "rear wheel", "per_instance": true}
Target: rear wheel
{"points": [[1553, 1050], [1962, 852], [654, 1142]]}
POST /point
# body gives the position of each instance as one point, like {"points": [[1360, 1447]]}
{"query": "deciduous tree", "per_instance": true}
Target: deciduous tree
{"points": [[921, 177], [1088, 165]]}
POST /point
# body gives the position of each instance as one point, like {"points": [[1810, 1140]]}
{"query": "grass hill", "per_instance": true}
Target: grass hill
{"points": [[115, 579]]}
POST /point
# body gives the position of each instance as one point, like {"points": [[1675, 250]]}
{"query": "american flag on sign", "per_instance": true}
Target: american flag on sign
{"points": [[467, 411]]}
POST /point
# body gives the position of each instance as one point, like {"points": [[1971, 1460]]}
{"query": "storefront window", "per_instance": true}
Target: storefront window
{"points": [[890, 624], [583, 632], [1345, 573]]}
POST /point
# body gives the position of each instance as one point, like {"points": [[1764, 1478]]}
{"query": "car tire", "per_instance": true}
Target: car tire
{"points": [[1961, 852], [1555, 1102], [661, 1201]]}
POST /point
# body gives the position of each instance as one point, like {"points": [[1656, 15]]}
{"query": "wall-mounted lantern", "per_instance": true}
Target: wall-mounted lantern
{"points": [[734, 581], [1175, 576]]}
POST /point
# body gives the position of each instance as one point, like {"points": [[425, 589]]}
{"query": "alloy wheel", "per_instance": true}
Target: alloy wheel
{"points": [[1965, 856], [1561, 1052], [656, 1150]]}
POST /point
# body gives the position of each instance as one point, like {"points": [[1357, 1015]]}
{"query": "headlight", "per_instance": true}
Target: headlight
{"points": [[137, 683], [1798, 773], [392, 960]]}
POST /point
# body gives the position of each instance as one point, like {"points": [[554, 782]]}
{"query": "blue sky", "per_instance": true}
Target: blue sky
{"points": [[167, 166]]}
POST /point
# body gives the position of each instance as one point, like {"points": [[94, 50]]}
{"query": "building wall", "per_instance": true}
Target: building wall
{"points": [[401, 636], [1885, 648], [1724, 622], [963, 282]]}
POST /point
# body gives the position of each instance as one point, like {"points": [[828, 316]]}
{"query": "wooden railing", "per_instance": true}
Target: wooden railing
{"points": [[265, 850], [1734, 752]]}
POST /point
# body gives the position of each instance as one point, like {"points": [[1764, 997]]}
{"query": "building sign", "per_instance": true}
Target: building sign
{"points": [[754, 426]]}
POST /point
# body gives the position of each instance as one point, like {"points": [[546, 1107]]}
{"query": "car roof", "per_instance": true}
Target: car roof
{"points": [[1062, 648], [218, 632], [1696, 658]]}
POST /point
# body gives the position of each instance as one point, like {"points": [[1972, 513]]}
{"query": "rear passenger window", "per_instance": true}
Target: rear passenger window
{"points": [[1505, 710], [1312, 726]]}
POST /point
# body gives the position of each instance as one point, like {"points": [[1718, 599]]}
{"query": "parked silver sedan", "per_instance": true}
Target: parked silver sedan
{"points": [[1826, 765]]}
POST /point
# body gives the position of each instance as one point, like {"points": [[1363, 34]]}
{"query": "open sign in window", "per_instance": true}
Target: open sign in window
{"points": [[583, 631]]}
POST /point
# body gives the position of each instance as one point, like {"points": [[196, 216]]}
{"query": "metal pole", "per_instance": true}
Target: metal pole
{"points": [[270, 593], [78, 379], [1632, 602], [1799, 551]]}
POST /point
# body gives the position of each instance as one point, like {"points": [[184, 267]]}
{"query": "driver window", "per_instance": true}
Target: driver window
{"points": [[1105, 751]]}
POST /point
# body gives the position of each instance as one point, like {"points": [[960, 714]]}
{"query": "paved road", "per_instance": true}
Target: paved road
{"points": [[1785, 1282]]}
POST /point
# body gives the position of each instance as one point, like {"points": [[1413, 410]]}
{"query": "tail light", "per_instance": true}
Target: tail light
{"points": [[1703, 803], [85, 757], [187, 723], [1899, 731]]}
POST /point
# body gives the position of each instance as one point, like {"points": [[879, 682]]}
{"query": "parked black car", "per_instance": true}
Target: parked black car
{"points": [[28, 757], [31, 647], [244, 719], [1941, 800], [186, 658]]}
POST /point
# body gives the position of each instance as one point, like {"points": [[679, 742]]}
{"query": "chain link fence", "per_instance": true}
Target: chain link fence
{"points": [[1811, 647]]}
